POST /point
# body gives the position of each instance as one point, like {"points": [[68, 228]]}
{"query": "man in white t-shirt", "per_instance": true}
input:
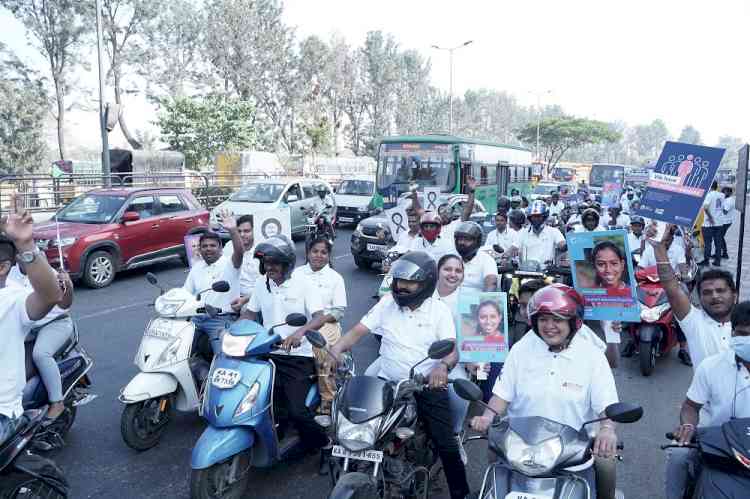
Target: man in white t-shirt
{"points": [[503, 236], [613, 217], [675, 252], [431, 239], [727, 217], [249, 271], [19, 308], [720, 391], [556, 206], [713, 222], [480, 269], [409, 320], [539, 242]]}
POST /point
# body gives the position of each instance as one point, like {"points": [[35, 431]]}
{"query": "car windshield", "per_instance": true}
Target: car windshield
{"points": [[545, 189], [92, 209], [423, 164], [356, 187], [602, 173], [258, 193]]}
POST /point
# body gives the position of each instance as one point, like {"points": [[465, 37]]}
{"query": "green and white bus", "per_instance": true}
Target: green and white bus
{"points": [[446, 161]]}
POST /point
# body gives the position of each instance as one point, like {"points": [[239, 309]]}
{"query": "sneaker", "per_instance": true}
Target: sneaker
{"points": [[461, 450], [684, 357]]}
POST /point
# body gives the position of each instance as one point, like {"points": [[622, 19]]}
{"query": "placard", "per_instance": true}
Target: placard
{"points": [[482, 326], [603, 274], [431, 198], [192, 249], [611, 192], [268, 223], [398, 221], [679, 182]]}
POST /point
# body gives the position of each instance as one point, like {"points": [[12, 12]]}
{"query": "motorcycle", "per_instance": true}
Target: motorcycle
{"points": [[538, 458], [23, 473], [238, 407], [725, 457], [656, 334], [172, 370], [319, 224], [74, 364], [381, 449]]}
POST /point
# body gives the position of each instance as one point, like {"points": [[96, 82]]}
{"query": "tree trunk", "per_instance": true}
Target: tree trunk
{"points": [[134, 143], [60, 96]]}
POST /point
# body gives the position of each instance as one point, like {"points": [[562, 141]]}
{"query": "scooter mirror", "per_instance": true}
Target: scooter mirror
{"points": [[151, 278], [315, 338], [497, 249], [441, 349], [296, 320], [220, 286], [622, 412], [467, 390]]}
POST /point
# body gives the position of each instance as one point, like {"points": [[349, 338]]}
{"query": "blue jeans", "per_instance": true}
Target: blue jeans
{"points": [[7, 427], [212, 327], [712, 236], [683, 466]]}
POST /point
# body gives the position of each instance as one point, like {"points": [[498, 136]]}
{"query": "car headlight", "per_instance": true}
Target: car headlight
{"points": [[65, 241], [172, 354], [42, 244], [532, 460], [235, 346], [358, 230], [363, 209], [248, 401], [652, 314], [168, 307], [357, 437]]}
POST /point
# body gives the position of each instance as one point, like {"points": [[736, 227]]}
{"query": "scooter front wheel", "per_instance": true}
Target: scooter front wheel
{"points": [[143, 423], [224, 480], [21, 485]]}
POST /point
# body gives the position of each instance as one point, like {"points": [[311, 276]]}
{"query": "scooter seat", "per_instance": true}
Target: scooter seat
{"points": [[31, 369]]}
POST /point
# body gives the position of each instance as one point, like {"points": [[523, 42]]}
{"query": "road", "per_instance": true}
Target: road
{"points": [[111, 321]]}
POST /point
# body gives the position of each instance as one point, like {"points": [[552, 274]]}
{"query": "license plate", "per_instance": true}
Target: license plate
{"points": [[374, 456], [376, 247], [346, 219], [225, 378], [524, 495]]}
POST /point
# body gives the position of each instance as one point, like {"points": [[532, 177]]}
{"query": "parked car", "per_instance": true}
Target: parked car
{"points": [[272, 194], [355, 200], [543, 191], [106, 231]]}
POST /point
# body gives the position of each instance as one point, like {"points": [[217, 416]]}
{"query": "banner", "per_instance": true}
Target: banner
{"points": [[482, 326], [431, 198], [679, 182], [398, 221], [611, 192], [603, 274], [268, 223]]}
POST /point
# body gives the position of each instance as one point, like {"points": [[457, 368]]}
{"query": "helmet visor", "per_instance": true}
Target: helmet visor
{"points": [[407, 270]]}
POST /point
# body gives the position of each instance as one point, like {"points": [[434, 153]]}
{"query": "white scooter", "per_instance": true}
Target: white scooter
{"points": [[172, 372]]}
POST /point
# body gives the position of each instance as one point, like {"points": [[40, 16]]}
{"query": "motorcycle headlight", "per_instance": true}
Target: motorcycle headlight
{"points": [[248, 401], [357, 437], [235, 346], [532, 460], [652, 314], [168, 307], [173, 353]]}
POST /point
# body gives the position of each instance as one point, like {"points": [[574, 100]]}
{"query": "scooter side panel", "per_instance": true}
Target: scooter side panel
{"points": [[218, 444], [714, 483], [145, 386], [222, 403]]}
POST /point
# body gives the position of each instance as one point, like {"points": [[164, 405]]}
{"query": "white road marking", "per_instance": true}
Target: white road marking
{"points": [[111, 310]]}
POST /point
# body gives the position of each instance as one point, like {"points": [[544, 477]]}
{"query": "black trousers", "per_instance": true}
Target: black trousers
{"points": [[712, 235], [724, 249], [294, 377], [433, 409]]}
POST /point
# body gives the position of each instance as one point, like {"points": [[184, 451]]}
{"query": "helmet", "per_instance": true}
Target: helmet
{"points": [[414, 266], [590, 212], [559, 300], [516, 199], [278, 248], [636, 219], [538, 207], [430, 217], [469, 230], [517, 217], [503, 204]]}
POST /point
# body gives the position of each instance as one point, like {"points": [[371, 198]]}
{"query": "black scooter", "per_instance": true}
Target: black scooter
{"points": [[725, 458]]}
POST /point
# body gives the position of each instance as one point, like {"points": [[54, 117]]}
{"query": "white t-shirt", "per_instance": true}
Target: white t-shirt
{"points": [[705, 336], [436, 249], [623, 220], [293, 296], [505, 239], [566, 386], [539, 247], [714, 385], [448, 230], [580, 228], [250, 270], [407, 334], [675, 253], [450, 301], [405, 239], [634, 242], [16, 278], [727, 215], [714, 204], [476, 269], [556, 209], [203, 276], [327, 283], [16, 324]]}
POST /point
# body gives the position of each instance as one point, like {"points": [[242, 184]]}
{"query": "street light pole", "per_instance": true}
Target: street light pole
{"points": [[450, 91], [539, 119], [106, 169]]}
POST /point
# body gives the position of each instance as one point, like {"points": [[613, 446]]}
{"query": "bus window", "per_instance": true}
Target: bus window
{"points": [[483, 179]]}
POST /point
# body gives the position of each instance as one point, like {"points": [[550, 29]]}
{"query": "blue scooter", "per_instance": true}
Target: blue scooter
{"points": [[238, 405]]}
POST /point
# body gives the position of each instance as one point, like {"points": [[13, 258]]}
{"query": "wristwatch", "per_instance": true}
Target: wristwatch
{"points": [[28, 257]]}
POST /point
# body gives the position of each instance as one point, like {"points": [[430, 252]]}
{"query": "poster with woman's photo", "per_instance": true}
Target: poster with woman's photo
{"points": [[603, 274], [482, 326], [192, 249]]}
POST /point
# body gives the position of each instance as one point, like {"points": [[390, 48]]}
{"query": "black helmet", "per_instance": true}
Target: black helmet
{"points": [[469, 230], [517, 217], [278, 248], [503, 204], [415, 266], [590, 212]]}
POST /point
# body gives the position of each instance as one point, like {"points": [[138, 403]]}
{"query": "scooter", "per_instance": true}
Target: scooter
{"points": [[23, 473], [74, 365], [725, 457], [238, 407], [656, 334], [171, 369], [538, 458]]}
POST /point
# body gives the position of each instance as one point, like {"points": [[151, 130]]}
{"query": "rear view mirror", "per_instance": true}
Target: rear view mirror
{"points": [[291, 198], [467, 390], [130, 216], [622, 412], [441, 349], [296, 320], [497, 249], [220, 286], [151, 278], [315, 338]]}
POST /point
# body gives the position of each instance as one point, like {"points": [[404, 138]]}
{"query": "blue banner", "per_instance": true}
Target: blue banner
{"points": [[482, 326], [679, 182], [603, 273]]}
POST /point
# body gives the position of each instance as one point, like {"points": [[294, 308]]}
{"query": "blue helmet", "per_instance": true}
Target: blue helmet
{"points": [[538, 207]]}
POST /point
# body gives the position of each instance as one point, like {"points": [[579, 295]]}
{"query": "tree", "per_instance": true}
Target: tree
{"points": [[199, 128], [732, 146], [559, 134], [690, 135], [23, 107], [380, 69], [648, 140], [58, 28], [355, 93]]}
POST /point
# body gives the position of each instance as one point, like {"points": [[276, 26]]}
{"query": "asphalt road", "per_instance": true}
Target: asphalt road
{"points": [[111, 321]]}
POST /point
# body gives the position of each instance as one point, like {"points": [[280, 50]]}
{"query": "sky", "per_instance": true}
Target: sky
{"points": [[634, 61]]}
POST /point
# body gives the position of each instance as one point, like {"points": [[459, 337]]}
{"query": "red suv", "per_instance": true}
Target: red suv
{"points": [[108, 230]]}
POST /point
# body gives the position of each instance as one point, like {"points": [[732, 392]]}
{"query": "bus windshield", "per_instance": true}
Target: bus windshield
{"points": [[605, 173], [423, 164], [356, 187]]}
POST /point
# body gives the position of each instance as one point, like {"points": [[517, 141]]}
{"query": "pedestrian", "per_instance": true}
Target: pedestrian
{"points": [[727, 218], [713, 222], [249, 271]]}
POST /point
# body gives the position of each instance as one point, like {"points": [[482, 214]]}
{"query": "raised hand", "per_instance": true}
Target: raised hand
{"points": [[227, 219], [18, 227], [471, 183]]}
